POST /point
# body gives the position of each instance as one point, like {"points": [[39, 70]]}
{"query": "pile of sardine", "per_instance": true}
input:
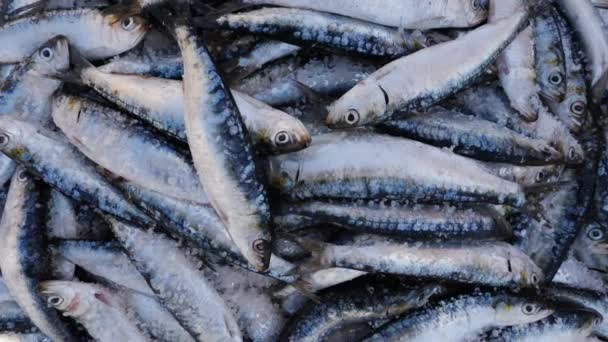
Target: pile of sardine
{"points": [[303, 170]]}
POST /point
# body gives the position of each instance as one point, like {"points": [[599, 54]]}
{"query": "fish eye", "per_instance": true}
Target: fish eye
{"points": [[4, 139], [578, 107], [22, 175], [478, 4], [556, 78], [352, 117], [55, 300], [571, 153], [260, 246], [281, 138], [529, 309], [128, 23], [595, 234], [46, 53], [540, 176], [534, 278]]}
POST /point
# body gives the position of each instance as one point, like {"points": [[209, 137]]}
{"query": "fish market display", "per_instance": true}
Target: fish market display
{"points": [[290, 170]]}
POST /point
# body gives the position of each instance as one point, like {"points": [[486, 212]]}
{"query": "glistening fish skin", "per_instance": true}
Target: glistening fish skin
{"points": [[17, 337], [94, 34], [562, 326], [492, 263], [402, 169], [419, 222], [100, 311], [410, 14], [463, 317], [24, 257], [329, 31], [60, 165], [339, 312], [127, 148], [572, 111], [222, 153], [473, 137], [160, 102], [407, 83], [549, 56], [587, 22], [179, 285]]}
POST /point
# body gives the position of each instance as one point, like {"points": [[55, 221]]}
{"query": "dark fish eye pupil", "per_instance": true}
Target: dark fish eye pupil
{"points": [[260, 245]]}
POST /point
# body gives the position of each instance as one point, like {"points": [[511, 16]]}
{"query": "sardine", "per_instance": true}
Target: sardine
{"points": [[127, 149], [562, 326], [463, 317], [423, 78], [401, 169], [473, 137], [103, 313], [62, 166], [593, 300], [414, 222], [549, 56], [221, 151], [340, 312], [409, 14], [94, 34], [515, 64], [179, 285], [585, 20], [24, 259], [492, 263], [324, 30], [161, 103]]}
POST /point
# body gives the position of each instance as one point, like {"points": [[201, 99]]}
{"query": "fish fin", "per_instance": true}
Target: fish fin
{"points": [[310, 93]]}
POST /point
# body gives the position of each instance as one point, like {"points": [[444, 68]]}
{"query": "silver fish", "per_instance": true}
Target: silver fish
{"points": [[94, 34], [410, 14], [102, 313], [408, 83]]}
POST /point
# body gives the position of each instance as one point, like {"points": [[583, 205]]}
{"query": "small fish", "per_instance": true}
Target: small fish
{"points": [[103, 314], [465, 316], [61, 165], [409, 14], [473, 137], [127, 149], [24, 258], [515, 64], [401, 170], [413, 222], [561, 326], [94, 34], [179, 285], [324, 30], [340, 312], [585, 20], [222, 151], [549, 56], [596, 301], [493, 263], [408, 83]]}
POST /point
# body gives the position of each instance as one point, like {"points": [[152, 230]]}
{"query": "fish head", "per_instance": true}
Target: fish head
{"points": [[575, 108], [72, 298], [591, 246], [529, 175], [513, 310], [12, 134], [126, 31], [360, 106], [52, 58], [288, 135], [475, 11]]}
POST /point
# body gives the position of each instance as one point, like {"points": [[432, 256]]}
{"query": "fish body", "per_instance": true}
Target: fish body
{"points": [[549, 56], [423, 78]]}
